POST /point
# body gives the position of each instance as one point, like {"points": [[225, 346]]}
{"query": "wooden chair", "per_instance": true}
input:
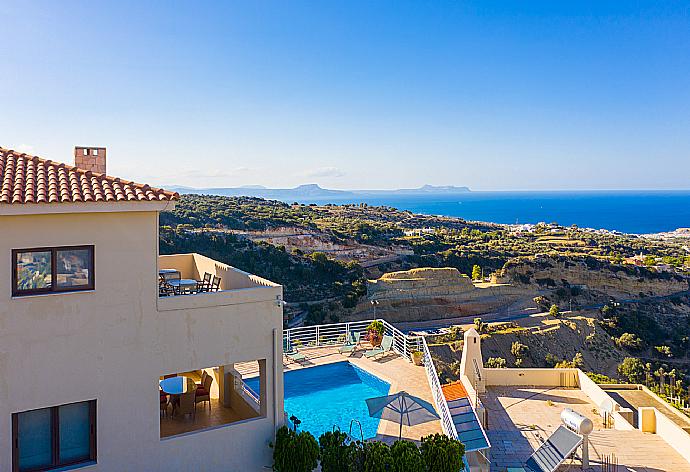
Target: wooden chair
{"points": [[164, 403], [205, 284], [215, 285], [164, 288], [203, 393], [186, 405]]}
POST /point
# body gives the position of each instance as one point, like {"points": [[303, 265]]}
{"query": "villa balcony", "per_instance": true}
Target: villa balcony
{"points": [[189, 281]]}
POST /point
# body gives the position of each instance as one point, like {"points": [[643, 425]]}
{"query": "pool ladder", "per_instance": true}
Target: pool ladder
{"points": [[361, 433], [349, 434]]}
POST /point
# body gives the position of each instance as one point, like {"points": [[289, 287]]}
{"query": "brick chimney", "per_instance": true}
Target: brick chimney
{"points": [[90, 158]]}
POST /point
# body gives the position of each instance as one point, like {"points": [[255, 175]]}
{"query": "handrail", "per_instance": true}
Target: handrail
{"points": [[439, 399], [251, 393]]}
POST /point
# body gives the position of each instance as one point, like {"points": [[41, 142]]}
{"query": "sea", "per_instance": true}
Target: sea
{"points": [[634, 212]]}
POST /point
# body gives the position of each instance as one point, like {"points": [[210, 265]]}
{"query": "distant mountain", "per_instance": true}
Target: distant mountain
{"points": [[314, 191]]}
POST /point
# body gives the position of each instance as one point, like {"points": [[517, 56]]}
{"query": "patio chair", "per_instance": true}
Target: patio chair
{"points": [[295, 356], [351, 343], [186, 404], [164, 403], [203, 392], [215, 285], [205, 284], [384, 348], [164, 288]]}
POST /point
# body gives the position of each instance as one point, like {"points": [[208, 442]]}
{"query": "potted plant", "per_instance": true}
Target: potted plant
{"points": [[417, 357], [375, 333]]}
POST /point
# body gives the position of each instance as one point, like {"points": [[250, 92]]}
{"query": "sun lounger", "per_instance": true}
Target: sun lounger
{"points": [[384, 348], [295, 355], [351, 343]]}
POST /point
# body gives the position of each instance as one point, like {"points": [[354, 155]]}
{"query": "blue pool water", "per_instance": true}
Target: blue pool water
{"points": [[331, 394]]}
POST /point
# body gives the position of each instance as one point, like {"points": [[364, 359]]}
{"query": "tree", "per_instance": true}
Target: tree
{"points": [[406, 457], [442, 454], [476, 272], [518, 349], [629, 341], [295, 452], [478, 325], [578, 360], [632, 369], [664, 351], [496, 363], [554, 311]]}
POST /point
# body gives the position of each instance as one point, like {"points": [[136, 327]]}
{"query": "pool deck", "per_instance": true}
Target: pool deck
{"points": [[398, 372]]}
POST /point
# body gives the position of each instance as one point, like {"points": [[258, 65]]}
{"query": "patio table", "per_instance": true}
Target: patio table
{"points": [[177, 385], [182, 285]]}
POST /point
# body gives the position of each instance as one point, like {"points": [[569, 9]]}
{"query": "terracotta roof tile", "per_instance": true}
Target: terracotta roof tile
{"points": [[454, 391], [30, 179]]}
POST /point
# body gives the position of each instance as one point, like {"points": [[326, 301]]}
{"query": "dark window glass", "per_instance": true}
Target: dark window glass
{"points": [[51, 438], [35, 439], [75, 437], [73, 268], [34, 270], [59, 269]]}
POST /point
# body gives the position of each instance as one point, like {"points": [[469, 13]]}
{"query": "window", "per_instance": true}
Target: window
{"points": [[86, 152], [95, 152], [54, 437], [45, 270]]}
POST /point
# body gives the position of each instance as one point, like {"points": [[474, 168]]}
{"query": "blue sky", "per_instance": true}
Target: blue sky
{"points": [[376, 94]]}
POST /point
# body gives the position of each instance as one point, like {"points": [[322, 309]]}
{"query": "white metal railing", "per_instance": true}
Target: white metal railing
{"points": [[251, 393], [336, 334], [437, 392]]}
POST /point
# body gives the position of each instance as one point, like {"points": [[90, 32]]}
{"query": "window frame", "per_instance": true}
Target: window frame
{"points": [[55, 438], [54, 288]]}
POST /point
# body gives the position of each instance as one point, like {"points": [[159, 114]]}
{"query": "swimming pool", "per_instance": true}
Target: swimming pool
{"points": [[331, 394]]}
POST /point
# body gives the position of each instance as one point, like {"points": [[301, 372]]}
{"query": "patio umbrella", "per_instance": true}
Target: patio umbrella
{"points": [[402, 408]]}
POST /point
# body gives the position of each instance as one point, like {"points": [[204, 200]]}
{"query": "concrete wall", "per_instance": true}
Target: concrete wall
{"points": [[653, 421], [532, 377], [112, 344]]}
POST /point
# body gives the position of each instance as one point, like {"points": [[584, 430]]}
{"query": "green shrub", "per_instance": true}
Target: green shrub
{"points": [[629, 341], [335, 454], [406, 457], [496, 363], [442, 454], [377, 457], [295, 452]]}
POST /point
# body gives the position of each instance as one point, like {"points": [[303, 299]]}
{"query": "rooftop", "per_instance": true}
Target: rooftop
{"points": [[521, 418], [28, 179]]}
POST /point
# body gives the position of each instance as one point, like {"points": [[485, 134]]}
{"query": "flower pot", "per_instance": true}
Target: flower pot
{"points": [[417, 358], [375, 338]]}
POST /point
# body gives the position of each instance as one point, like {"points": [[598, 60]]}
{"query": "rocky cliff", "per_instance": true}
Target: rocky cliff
{"points": [[624, 281], [432, 293]]}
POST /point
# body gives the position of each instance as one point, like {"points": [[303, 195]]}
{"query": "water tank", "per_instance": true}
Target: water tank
{"points": [[576, 422]]}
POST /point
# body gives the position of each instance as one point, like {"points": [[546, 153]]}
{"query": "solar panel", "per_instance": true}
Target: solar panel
{"points": [[557, 448], [470, 431]]}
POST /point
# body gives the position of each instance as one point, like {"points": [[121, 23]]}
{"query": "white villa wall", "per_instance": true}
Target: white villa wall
{"points": [[112, 344]]}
